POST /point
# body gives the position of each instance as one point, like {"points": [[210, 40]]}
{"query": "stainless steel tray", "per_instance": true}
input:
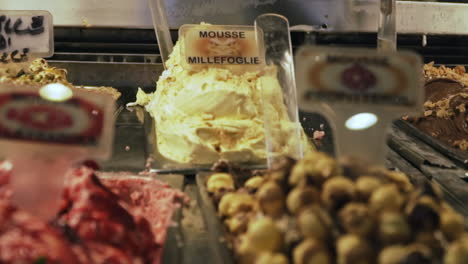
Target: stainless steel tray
{"points": [[432, 164], [460, 157], [221, 249], [118, 74]]}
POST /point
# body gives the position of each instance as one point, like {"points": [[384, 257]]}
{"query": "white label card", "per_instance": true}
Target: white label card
{"points": [[24, 34], [358, 76], [215, 45], [56, 116]]}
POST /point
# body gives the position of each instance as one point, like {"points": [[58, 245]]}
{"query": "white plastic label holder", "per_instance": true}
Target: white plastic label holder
{"points": [[360, 92]]}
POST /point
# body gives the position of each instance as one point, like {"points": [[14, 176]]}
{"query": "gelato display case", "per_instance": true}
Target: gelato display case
{"points": [[225, 206]]}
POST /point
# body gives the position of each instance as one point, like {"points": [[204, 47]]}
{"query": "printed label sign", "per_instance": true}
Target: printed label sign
{"points": [[358, 76], [24, 33], [27, 116], [221, 45], [35, 117]]}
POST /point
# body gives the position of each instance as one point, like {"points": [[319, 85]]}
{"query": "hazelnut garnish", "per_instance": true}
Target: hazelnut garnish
{"points": [[393, 228], [398, 178], [238, 223], [314, 169], [233, 203], [392, 255], [311, 251], [337, 192], [271, 258], [418, 254], [356, 219], [271, 199], [398, 254], [262, 235], [430, 240], [300, 197], [314, 222], [387, 197], [353, 167], [254, 183], [457, 253], [423, 214], [452, 225], [281, 169], [366, 185], [353, 249], [225, 203], [219, 182]]}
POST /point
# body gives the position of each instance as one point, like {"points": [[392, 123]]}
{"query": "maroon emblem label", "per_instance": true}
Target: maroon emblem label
{"points": [[358, 78], [40, 117], [27, 116]]}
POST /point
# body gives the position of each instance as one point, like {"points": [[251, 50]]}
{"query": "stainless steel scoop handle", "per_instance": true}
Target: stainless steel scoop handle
{"points": [[387, 34], [274, 29], [161, 27]]}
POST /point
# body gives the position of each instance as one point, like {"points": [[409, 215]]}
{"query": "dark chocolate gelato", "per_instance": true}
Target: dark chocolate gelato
{"points": [[444, 115]]}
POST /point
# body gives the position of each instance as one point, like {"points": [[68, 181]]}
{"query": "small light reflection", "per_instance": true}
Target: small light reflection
{"points": [[56, 92], [361, 121], [6, 166]]}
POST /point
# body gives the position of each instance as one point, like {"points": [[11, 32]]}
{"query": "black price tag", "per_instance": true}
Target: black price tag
{"points": [[25, 34]]}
